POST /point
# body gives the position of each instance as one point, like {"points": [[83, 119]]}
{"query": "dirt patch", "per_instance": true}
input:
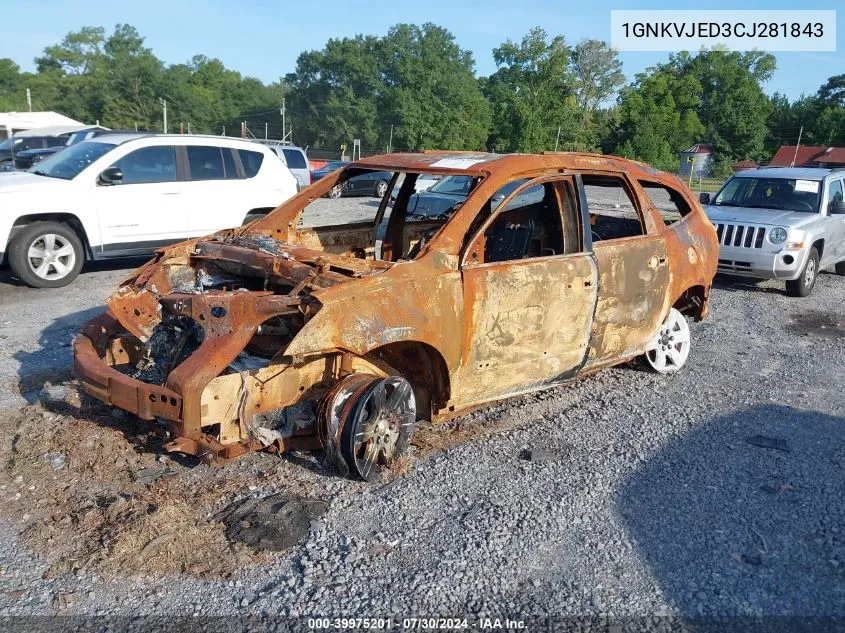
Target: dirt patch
{"points": [[91, 489], [818, 323]]}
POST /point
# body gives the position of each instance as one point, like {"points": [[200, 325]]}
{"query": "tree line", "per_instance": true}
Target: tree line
{"points": [[416, 88]]}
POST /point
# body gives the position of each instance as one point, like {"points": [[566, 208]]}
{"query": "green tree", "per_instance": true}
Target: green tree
{"points": [[658, 118], [335, 92], [733, 107], [430, 93], [598, 75], [532, 94], [832, 93]]}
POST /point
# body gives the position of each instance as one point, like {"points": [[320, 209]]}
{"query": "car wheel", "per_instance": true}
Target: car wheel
{"points": [[670, 348], [252, 217], [803, 286], [334, 192], [378, 422], [380, 189], [46, 255]]}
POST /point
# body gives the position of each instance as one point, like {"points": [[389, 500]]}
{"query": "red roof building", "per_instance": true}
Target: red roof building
{"points": [[808, 156], [742, 165]]}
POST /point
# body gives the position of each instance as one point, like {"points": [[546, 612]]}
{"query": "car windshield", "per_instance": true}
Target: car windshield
{"points": [[333, 166], [6, 144], [781, 194], [453, 186], [70, 162]]}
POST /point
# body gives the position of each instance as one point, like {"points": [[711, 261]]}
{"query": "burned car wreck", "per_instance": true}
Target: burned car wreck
{"points": [[278, 336]]}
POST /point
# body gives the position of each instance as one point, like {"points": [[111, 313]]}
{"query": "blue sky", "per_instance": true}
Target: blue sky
{"points": [[262, 38]]}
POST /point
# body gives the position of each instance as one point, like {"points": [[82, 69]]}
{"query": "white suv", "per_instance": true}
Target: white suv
{"points": [[128, 194]]}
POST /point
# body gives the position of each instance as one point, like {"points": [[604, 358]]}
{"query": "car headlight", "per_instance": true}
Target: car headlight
{"points": [[777, 235], [38, 158]]}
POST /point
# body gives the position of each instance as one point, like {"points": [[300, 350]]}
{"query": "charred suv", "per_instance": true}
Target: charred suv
{"points": [[277, 336], [781, 223]]}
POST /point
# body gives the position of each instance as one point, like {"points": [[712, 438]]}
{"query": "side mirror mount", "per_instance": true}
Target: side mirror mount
{"points": [[111, 176], [837, 208], [704, 197]]}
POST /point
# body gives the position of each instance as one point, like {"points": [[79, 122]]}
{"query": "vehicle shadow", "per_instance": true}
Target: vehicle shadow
{"points": [[8, 277], [732, 528], [52, 362], [733, 283]]}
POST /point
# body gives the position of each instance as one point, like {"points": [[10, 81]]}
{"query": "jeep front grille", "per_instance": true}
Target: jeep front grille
{"points": [[740, 235]]}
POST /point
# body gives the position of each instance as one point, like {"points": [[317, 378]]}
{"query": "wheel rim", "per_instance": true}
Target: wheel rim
{"points": [[671, 347], [380, 189], [810, 273], [335, 192], [381, 425], [51, 256]]}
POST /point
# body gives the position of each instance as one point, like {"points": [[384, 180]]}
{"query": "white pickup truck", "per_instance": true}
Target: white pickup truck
{"points": [[126, 195]]}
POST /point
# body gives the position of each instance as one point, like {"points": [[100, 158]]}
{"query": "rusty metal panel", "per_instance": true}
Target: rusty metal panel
{"points": [[633, 301], [527, 323]]}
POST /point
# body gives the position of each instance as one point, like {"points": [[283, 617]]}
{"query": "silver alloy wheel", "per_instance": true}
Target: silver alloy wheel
{"points": [[670, 348], [810, 272], [381, 189], [51, 256]]}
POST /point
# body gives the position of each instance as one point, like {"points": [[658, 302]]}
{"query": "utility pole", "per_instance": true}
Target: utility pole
{"points": [[29, 99], [557, 140], [390, 142], [282, 112], [265, 131], [795, 155], [164, 112]]}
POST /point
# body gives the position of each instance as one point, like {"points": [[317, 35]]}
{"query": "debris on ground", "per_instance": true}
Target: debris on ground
{"points": [[537, 454], [768, 442], [274, 523], [84, 496]]}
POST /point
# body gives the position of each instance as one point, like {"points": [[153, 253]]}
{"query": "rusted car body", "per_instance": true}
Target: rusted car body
{"points": [[279, 336]]}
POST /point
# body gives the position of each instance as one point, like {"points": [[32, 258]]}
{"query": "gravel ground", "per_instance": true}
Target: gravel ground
{"points": [[647, 498]]}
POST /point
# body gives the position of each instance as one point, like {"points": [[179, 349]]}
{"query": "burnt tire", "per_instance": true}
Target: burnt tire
{"points": [[46, 255], [252, 217], [806, 281], [378, 426]]}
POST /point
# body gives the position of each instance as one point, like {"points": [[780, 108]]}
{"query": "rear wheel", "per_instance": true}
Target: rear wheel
{"points": [[377, 426], [670, 349], [46, 255], [803, 286]]}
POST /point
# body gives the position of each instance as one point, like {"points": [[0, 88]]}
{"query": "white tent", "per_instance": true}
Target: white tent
{"points": [[49, 122]]}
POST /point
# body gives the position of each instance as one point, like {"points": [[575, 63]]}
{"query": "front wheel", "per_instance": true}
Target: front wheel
{"points": [[46, 255], [377, 420], [670, 348], [803, 286], [335, 192], [380, 189]]}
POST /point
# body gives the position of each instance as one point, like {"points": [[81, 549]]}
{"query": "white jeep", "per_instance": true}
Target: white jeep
{"points": [[125, 195]]}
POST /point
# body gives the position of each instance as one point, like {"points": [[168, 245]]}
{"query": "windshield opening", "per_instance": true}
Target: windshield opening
{"points": [[780, 194], [6, 144], [68, 163]]}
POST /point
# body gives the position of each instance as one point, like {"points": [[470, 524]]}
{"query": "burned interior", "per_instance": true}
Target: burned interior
{"points": [[502, 280]]}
